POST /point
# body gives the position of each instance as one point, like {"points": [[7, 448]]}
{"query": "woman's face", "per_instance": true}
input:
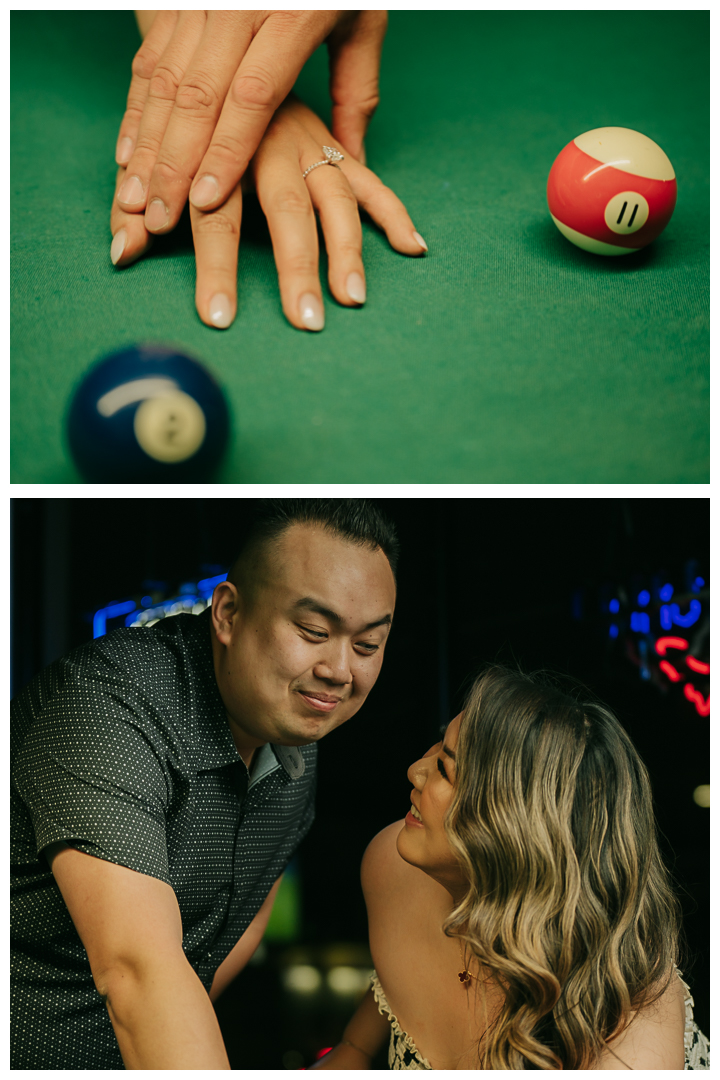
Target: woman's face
{"points": [[423, 841]]}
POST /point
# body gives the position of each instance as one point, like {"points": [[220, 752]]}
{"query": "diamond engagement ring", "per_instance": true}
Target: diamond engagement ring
{"points": [[332, 157]]}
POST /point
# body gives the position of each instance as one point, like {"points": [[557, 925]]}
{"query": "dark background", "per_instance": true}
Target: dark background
{"points": [[520, 580]]}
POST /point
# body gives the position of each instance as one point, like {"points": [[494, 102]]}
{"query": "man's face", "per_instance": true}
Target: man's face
{"points": [[300, 653]]}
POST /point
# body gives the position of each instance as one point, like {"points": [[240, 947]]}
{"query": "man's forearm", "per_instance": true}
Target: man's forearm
{"points": [[163, 1018]]}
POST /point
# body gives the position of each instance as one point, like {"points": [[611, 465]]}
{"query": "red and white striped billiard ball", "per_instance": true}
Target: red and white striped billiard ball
{"points": [[611, 191]]}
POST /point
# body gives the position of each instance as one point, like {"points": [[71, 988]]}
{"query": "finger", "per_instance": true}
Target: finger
{"points": [[143, 66], [355, 48], [338, 209], [131, 239], [193, 116], [385, 209], [378, 201], [265, 77], [286, 203], [217, 235], [162, 89]]}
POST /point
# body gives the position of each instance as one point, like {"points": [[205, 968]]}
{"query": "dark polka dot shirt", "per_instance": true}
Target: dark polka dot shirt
{"points": [[123, 750]]}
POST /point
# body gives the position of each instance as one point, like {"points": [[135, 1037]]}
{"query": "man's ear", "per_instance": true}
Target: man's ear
{"points": [[225, 611]]}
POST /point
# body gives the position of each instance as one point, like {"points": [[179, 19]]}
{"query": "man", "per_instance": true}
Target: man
{"points": [[162, 779]]}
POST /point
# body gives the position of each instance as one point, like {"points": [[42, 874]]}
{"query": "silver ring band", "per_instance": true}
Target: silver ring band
{"points": [[332, 157]]}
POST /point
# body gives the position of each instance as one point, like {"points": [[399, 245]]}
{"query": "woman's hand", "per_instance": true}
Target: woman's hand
{"points": [[293, 142], [205, 86]]}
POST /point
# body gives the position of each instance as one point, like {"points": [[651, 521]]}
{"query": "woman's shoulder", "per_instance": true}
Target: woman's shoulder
{"points": [[381, 858], [655, 1037], [386, 876]]}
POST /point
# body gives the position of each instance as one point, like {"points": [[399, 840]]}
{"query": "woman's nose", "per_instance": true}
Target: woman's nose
{"points": [[417, 773]]}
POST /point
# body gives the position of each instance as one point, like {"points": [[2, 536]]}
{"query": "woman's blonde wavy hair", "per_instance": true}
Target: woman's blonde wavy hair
{"points": [[569, 908]]}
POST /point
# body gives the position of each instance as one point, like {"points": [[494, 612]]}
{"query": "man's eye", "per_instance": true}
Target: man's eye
{"points": [[315, 633], [367, 646]]}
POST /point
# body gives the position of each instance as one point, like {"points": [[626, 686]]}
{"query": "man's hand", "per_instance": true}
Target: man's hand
{"points": [[130, 926], [205, 86], [293, 142]]}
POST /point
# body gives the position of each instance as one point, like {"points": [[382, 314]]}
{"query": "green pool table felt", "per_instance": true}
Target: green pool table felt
{"points": [[506, 355]]}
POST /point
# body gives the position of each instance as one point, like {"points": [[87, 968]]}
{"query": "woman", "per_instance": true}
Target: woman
{"points": [[521, 916]]}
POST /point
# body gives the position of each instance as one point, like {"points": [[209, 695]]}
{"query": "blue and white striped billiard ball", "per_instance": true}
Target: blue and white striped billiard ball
{"points": [[147, 414]]}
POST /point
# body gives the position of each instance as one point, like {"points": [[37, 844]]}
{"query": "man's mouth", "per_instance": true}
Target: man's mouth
{"points": [[322, 702]]}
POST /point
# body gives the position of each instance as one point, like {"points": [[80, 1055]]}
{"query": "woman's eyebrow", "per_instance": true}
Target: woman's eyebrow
{"points": [[450, 753]]}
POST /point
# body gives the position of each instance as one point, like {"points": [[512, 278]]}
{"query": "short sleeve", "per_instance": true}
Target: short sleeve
{"points": [[91, 774]]}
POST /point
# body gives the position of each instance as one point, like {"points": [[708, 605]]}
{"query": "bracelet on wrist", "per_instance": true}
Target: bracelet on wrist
{"points": [[346, 1042]]}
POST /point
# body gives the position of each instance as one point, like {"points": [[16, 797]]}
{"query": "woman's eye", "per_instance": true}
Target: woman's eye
{"points": [[441, 768]]}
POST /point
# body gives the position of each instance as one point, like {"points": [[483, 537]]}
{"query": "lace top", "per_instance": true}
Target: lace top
{"points": [[403, 1053]]}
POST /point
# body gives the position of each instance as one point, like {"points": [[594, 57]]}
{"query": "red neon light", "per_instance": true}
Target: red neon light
{"points": [[697, 665], [702, 706], [670, 671], [664, 643]]}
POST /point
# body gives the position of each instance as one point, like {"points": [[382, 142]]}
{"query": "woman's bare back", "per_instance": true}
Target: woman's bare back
{"points": [[418, 967]]}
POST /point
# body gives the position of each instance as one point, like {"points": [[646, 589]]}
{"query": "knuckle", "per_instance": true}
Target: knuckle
{"points": [[166, 173], [164, 83], [342, 197], [253, 90], [133, 113], [217, 223], [197, 95], [290, 201], [299, 264], [348, 249], [228, 151], [144, 62], [369, 106]]}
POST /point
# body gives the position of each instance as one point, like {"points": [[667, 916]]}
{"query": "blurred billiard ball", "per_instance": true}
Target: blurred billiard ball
{"points": [[147, 414], [611, 191]]}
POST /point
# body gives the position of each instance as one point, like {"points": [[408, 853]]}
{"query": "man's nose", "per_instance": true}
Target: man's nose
{"points": [[335, 665]]}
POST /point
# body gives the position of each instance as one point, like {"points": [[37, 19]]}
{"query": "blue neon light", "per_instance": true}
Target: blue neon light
{"points": [[686, 620], [110, 611], [698, 583], [670, 613], [613, 630], [614, 606], [207, 584], [190, 595], [666, 592], [640, 622], [643, 598]]}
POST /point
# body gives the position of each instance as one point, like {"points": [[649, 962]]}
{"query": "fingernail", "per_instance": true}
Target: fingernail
{"points": [[118, 246], [205, 191], [311, 312], [420, 241], [131, 190], [156, 215], [220, 311], [124, 150], [356, 288]]}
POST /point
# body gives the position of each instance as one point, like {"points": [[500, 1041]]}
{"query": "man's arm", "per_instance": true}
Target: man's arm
{"points": [[131, 928], [238, 957]]}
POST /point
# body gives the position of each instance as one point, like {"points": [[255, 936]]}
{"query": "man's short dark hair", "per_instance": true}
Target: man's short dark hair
{"points": [[359, 521]]}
